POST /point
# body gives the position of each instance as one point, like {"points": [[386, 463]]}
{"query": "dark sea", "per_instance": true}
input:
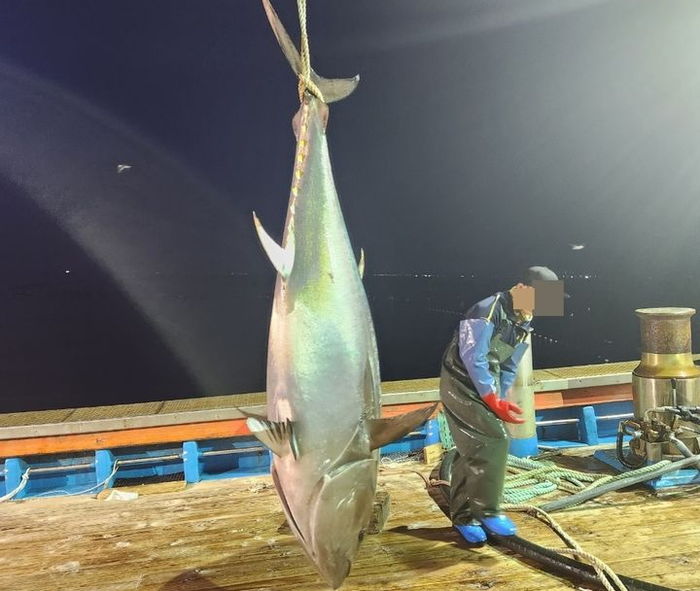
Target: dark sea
{"points": [[71, 343]]}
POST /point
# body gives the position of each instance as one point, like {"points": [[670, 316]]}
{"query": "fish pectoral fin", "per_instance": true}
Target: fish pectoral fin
{"points": [[331, 89], [384, 431], [361, 263], [282, 258], [279, 437]]}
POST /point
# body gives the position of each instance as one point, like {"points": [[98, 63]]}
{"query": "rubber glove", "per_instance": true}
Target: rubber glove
{"points": [[503, 409]]}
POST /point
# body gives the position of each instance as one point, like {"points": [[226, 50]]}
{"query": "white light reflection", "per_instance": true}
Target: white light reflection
{"points": [[57, 148]]}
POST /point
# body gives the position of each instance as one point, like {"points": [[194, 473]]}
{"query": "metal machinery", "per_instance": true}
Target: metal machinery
{"points": [[666, 391]]}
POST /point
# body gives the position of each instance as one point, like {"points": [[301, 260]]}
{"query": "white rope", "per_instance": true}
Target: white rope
{"points": [[19, 488], [604, 572], [81, 492]]}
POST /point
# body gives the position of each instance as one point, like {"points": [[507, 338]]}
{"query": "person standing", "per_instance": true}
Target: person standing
{"points": [[478, 369]]}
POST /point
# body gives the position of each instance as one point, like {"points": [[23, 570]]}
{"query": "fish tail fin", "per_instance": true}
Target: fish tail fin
{"points": [[332, 89]]}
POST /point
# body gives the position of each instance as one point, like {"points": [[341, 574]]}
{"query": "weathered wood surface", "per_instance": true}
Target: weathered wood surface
{"points": [[227, 535], [380, 512]]}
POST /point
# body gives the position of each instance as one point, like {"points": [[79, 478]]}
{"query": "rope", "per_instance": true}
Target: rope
{"points": [[604, 572], [534, 478], [305, 81], [19, 488], [82, 492]]}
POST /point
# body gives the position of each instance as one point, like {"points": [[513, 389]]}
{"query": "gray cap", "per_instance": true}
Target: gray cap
{"points": [[539, 273]]}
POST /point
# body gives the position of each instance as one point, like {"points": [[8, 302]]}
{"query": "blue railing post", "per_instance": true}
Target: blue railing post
{"points": [[190, 461], [14, 469], [104, 466], [588, 426], [432, 432]]}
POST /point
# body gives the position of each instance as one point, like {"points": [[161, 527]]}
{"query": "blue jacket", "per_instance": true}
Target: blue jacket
{"points": [[488, 346]]}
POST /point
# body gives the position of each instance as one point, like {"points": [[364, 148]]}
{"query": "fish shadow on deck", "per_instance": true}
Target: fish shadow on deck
{"points": [[191, 580], [284, 565]]}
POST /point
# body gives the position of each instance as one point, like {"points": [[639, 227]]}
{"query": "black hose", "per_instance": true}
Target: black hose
{"points": [[566, 566], [548, 558]]}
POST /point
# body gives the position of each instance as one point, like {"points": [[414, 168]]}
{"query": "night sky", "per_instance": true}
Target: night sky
{"points": [[485, 136]]}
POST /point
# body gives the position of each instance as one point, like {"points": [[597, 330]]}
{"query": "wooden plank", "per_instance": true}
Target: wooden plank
{"points": [[146, 436], [124, 438], [236, 427], [583, 396], [548, 400]]}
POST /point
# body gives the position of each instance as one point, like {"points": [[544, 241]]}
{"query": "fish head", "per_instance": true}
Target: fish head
{"points": [[341, 509]]}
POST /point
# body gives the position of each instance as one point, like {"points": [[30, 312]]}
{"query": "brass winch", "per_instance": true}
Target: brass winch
{"points": [[665, 390]]}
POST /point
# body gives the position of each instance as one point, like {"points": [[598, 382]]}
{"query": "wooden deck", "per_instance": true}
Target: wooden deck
{"points": [[228, 535]]}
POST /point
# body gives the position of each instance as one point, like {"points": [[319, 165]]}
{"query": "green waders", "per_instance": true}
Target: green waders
{"points": [[481, 439]]}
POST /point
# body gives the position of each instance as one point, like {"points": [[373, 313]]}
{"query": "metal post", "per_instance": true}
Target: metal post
{"points": [[523, 438]]}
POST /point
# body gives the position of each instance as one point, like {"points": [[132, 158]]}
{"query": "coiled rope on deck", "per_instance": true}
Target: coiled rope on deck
{"points": [[529, 479], [540, 478]]}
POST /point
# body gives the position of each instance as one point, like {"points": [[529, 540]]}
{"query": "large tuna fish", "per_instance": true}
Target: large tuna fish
{"points": [[323, 388]]}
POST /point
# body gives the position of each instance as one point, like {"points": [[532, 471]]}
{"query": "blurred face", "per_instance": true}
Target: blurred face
{"points": [[523, 299]]}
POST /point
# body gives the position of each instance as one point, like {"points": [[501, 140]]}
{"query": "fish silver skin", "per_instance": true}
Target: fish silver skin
{"points": [[323, 387]]}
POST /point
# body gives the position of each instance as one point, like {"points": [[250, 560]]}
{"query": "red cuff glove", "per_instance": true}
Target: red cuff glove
{"points": [[503, 409]]}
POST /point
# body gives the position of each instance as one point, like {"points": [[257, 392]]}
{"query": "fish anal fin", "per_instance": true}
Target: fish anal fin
{"points": [[361, 263], [282, 258], [278, 437], [384, 431]]}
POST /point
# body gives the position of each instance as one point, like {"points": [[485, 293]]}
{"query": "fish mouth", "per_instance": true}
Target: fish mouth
{"points": [[335, 575]]}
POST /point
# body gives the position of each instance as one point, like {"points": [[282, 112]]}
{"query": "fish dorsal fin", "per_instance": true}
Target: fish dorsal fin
{"points": [[361, 264], [282, 258], [279, 437], [331, 89], [384, 431]]}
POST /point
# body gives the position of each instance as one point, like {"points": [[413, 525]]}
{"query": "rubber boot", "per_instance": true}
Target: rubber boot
{"points": [[500, 524], [472, 532]]}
